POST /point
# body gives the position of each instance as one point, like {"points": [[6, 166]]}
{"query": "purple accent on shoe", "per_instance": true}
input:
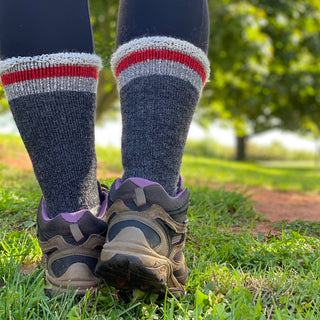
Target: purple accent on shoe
{"points": [[69, 217], [73, 217], [44, 212], [142, 183], [139, 182], [180, 184], [180, 190], [104, 205], [179, 194], [117, 183]]}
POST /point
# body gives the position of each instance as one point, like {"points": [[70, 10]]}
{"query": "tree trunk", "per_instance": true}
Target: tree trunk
{"points": [[241, 148]]}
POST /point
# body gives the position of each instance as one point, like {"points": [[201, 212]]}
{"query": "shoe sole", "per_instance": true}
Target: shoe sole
{"points": [[134, 264]]}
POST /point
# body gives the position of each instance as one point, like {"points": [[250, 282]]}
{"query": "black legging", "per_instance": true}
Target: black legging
{"points": [[182, 19], [35, 27]]}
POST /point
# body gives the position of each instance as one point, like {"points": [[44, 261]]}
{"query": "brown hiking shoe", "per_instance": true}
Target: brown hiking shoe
{"points": [[71, 244], [145, 238]]}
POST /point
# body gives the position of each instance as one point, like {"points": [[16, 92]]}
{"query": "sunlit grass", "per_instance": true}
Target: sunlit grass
{"points": [[233, 274], [213, 171], [207, 171]]}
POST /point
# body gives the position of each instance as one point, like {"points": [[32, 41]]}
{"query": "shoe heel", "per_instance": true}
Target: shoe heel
{"points": [[129, 262], [131, 242], [78, 276]]}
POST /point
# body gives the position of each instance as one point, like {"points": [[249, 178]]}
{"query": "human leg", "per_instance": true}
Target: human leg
{"points": [[54, 112], [160, 66], [158, 98], [49, 74]]}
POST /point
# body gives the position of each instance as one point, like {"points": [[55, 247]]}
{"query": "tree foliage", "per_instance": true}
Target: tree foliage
{"points": [[3, 101], [265, 63], [104, 20]]}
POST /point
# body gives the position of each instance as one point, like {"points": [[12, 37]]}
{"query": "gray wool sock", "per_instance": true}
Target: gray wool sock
{"points": [[160, 80], [52, 98]]}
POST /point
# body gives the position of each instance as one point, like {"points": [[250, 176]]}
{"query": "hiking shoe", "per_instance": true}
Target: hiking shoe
{"points": [[145, 238], [71, 244]]}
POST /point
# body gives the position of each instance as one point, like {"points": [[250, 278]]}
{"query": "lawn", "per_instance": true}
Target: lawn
{"points": [[234, 273]]}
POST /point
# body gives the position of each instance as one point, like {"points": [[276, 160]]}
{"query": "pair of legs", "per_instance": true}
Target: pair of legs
{"points": [[49, 72], [45, 27]]}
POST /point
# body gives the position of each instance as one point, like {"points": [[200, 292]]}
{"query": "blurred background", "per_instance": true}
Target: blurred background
{"points": [[263, 98]]}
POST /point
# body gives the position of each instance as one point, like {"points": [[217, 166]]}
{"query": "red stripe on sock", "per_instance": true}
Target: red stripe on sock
{"points": [[154, 54], [50, 72]]}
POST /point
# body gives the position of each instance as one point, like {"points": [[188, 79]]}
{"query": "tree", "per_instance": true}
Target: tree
{"points": [[265, 64], [264, 59], [3, 102], [104, 18]]}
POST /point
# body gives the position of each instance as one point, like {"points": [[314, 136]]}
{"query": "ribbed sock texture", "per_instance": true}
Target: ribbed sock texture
{"points": [[160, 81], [52, 98]]}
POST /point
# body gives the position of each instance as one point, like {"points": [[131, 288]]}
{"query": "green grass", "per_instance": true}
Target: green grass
{"points": [[214, 171], [233, 274]]}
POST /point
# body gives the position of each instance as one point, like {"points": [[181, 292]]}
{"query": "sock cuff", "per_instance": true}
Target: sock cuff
{"points": [[67, 71], [160, 56]]}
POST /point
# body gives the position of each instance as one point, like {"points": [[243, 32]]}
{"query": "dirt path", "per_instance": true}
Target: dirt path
{"points": [[278, 206], [288, 206], [275, 205]]}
